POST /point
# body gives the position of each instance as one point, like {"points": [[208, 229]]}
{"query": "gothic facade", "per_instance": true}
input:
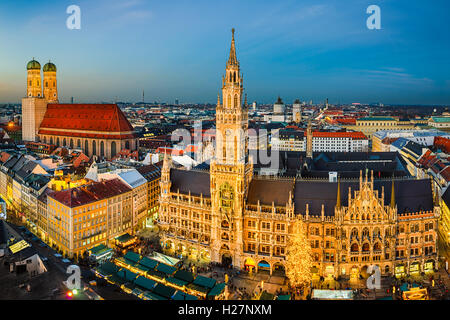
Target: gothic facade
{"points": [[228, 215]]}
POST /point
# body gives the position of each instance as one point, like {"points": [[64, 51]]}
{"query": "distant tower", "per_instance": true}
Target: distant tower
{"points": [[50, 85], [143, 97], [278, 107], [34, 104], [326, 103], [254, 105], [309, 138], [297, 111], [34, 86]]}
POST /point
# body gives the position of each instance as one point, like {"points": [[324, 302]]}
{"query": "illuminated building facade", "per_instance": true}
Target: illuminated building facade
{"points": [[227, 215]]}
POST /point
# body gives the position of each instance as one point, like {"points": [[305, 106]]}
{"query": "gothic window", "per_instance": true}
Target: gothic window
{"points": [[71, 143], [235, 101], [229, 101], [354, 248], [57, 141], [94, 147], [64, 142], [78, 143], [86, 147], [225, 224]]}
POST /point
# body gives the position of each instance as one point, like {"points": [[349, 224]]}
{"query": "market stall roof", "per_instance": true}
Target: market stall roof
{"points": [[132, 256], [180, 295], [284, 297], [156, 274], [171, 261], [127, 275], [148, 262], [332, 294], [204, 282], [166, 268], [117, 279], [163, 290], [184, 275], [266, 296], [217, 290], [99, 249], [145, 283], [176, 281], [108, 268], [124, 238], [153, 296]]}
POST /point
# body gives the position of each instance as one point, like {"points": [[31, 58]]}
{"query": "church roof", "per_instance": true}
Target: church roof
{"points": [[411, 195], [101, 118]]}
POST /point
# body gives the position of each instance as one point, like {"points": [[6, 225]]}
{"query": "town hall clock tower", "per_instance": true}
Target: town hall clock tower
{"points": [[231, 170]]}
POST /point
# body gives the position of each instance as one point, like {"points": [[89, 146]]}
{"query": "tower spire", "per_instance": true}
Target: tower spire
{"points": [[338, 201], [232, 60], [393, 194]]}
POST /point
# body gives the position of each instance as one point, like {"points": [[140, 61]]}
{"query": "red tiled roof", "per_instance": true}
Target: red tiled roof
{"points": [[87, 117], [446, 173], [90, 193], [353, 135]]}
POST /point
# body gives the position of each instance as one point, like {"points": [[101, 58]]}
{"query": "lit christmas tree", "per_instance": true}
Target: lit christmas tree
{"points": [[299, 258]]}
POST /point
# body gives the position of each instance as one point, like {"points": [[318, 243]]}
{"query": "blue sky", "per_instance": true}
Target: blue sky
{"points": [[308, 49]]}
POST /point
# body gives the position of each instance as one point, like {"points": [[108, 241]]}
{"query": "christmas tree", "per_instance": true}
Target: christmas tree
{"points": [[299, 258]]}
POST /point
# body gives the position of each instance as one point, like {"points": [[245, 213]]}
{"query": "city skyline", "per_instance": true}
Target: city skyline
{"points": [[312, 51]]}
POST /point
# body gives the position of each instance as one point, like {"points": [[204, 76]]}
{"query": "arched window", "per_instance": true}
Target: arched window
{"points": [[102, 149], [94, 147], [235, 101], [86, 147], [64, 142], [51, 140], [225, 224], [71, 143], [57, 141], [113, 149], [366, 247], [377, 246], [354, 248], [79, 143], [229, 101]]}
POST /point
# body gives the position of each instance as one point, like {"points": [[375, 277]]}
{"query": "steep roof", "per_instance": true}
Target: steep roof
{"points": [[90, 193], [195, 181], [107, 118], [410, 195]]}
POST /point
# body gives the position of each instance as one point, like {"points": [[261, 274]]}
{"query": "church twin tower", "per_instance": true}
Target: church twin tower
{"points": [[35, 103], [34, 83]]}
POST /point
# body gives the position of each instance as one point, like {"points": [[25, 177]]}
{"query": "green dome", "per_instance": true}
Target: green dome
{"points": [[49, 67], [33, 64]]}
